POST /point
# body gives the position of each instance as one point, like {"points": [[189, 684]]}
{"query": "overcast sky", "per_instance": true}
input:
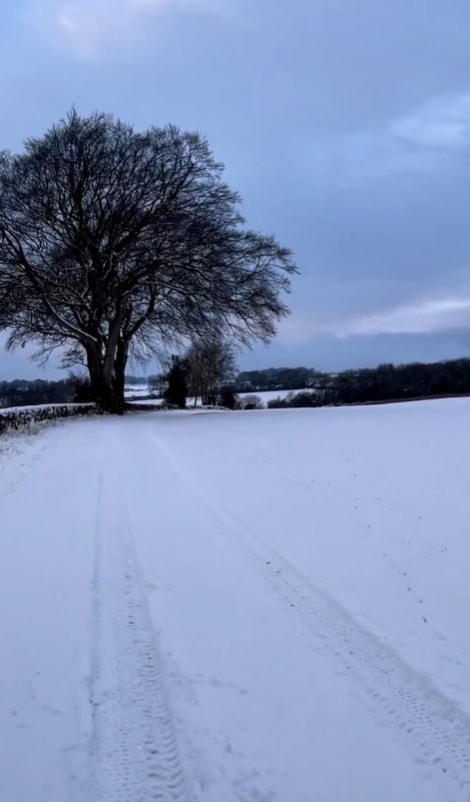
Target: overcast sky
{"points": [[345, 125]]}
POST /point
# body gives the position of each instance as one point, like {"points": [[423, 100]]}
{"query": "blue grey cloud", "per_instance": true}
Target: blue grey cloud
{"points": [[346, 127]]}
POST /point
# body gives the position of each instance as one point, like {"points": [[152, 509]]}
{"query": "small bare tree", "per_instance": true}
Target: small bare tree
{"points": [[113, 242], [211, 363]]}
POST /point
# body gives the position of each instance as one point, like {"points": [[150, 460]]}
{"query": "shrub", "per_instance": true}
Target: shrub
{"points": [[278, 403], [81, 386], [305, 398], [228, 398], [177, 391], [23, 418], [251, 402]]}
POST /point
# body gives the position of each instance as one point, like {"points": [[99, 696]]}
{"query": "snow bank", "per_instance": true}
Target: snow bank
{"points": [[238, 606]]}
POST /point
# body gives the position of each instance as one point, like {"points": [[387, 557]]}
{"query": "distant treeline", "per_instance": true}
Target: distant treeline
{"points": [[384, 383], [21, 393], [73, 389], [132, 380], [274, 379]]}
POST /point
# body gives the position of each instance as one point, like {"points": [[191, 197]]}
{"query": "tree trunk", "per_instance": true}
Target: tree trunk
{"points": [[119, 375], [107, 396]]}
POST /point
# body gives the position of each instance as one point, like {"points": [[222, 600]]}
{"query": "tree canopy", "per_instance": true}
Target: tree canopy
{"points": [[114, 242]]}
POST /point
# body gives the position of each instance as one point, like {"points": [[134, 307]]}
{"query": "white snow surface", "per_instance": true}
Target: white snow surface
{"points": [[136, 390], [238, 607]]}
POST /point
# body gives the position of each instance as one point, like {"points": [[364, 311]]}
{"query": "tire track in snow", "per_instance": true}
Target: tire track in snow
{"points": [[436, 730], [135, 755]]}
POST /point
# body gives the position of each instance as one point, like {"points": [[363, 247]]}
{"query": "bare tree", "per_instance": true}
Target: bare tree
{"points": [[113, 242], [211, 363]]}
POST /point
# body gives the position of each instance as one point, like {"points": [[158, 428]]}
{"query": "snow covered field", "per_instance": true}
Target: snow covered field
{"points": [[238, 607], [273, 395], [136, 390]]}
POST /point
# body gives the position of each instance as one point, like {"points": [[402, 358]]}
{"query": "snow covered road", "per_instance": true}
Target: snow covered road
{"points": [[237, 607]]}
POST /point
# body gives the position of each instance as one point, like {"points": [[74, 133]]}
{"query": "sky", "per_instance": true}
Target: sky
{"points": [[344, 124]]}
